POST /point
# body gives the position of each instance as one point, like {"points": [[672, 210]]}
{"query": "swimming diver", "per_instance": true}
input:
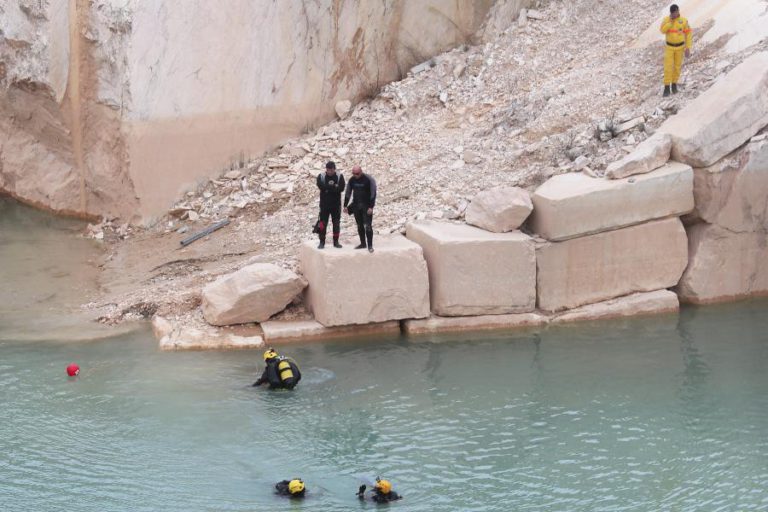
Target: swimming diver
{"points": [[281, 371], [291, 488], [382, 492]]}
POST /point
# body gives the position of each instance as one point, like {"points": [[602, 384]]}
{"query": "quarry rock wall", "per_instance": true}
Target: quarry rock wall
{"points": [[115, 107]]}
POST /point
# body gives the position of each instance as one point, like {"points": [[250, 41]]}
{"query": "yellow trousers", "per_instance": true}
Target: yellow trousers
{"points": [[673, 63]]}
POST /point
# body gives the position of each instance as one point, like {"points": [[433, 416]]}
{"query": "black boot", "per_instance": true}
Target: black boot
{"points": [[666, 91], [336, 244], [321, 245], [674, 88], [361, 246]]}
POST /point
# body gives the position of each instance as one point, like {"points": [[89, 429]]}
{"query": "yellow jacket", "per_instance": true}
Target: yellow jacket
{"points": [[677, 31]]}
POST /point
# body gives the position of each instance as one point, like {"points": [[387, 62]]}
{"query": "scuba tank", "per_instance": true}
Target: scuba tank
{"points": [[284, 370], [288, 372]]}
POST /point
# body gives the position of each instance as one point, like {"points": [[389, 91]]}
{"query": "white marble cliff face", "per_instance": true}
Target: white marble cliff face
{"points": [[136, 100], [34, 43]]}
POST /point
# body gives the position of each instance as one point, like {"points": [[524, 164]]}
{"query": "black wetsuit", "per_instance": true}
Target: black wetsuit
{"points": [[331, 188], [378, 496], [272, 376], [281, 488], [363, 192]]}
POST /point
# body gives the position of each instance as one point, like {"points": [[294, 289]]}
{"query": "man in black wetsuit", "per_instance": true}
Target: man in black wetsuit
{"points": [[281, 371], [362, 188], [382, 492], [331, 186], [291, 488]]}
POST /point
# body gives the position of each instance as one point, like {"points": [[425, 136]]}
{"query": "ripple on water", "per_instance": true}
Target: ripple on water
{"points": [[527, 426]]}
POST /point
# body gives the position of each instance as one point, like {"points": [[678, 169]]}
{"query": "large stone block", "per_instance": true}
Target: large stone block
{"points": [[252, 294], [440, 324], [571, 205], [599, 267], [500, 209], [733, 193], [195, 335], [724, 265], [636, 304], [650, 154], [724, 117], [356, 287], [475, 272], [283, 331]]}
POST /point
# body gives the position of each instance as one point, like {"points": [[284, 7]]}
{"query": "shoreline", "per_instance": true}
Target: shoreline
{"points": [[198, 336]]}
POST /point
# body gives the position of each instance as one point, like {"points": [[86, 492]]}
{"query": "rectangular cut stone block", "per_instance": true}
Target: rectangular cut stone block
{"points": [[724, 265], [199, 336], [733, 193], [438, 324], [637, 304], [571, 205], [476, 272], [281, 331], [724, 117], [348, 286], [599, 267]]}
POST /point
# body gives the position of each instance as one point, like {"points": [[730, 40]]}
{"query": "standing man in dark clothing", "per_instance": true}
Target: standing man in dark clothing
{"points": [[331, 186], [362, 188]]}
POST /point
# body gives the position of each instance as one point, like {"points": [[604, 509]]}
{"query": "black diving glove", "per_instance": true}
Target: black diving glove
{"points": [[361, 491]]}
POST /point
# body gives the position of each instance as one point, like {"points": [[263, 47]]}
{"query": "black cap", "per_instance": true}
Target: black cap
{"points": [[674, 8], [330, 165]]}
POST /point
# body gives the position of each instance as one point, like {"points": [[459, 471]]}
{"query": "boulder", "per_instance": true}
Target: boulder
{"points": [[724, 265], [636, 304], [499, 209], [343, 109], [651, 154], [724, 117], [571, 205], [733, 193], [599, 267], [348, 287], [281, 331], [475, 272], [252, 294], [438, 324]]}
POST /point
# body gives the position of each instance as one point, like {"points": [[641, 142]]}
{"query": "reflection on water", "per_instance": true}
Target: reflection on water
{"points": [[661, 413]]}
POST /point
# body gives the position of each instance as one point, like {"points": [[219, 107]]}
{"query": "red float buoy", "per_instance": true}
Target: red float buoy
{"points": [[73, 370]]}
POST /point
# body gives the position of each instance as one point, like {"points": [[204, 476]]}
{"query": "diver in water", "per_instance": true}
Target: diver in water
{"points": [[281, 372], [382, 492], [291, 488]]}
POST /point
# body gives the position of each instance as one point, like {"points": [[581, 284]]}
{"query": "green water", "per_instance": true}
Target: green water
{"points": [[658, 414], [47, 271], [655, 414]]}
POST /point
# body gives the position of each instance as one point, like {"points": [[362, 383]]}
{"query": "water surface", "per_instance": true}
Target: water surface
{"points": [[663, 413], [47, 272]]}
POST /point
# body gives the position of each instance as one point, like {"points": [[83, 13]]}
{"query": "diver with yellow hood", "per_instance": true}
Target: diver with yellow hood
{"points": [[281, 371], [291, 488], [382, 492]]}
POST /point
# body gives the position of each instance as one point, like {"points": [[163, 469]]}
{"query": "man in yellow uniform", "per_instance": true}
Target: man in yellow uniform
{"points": [[679, 40]]}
